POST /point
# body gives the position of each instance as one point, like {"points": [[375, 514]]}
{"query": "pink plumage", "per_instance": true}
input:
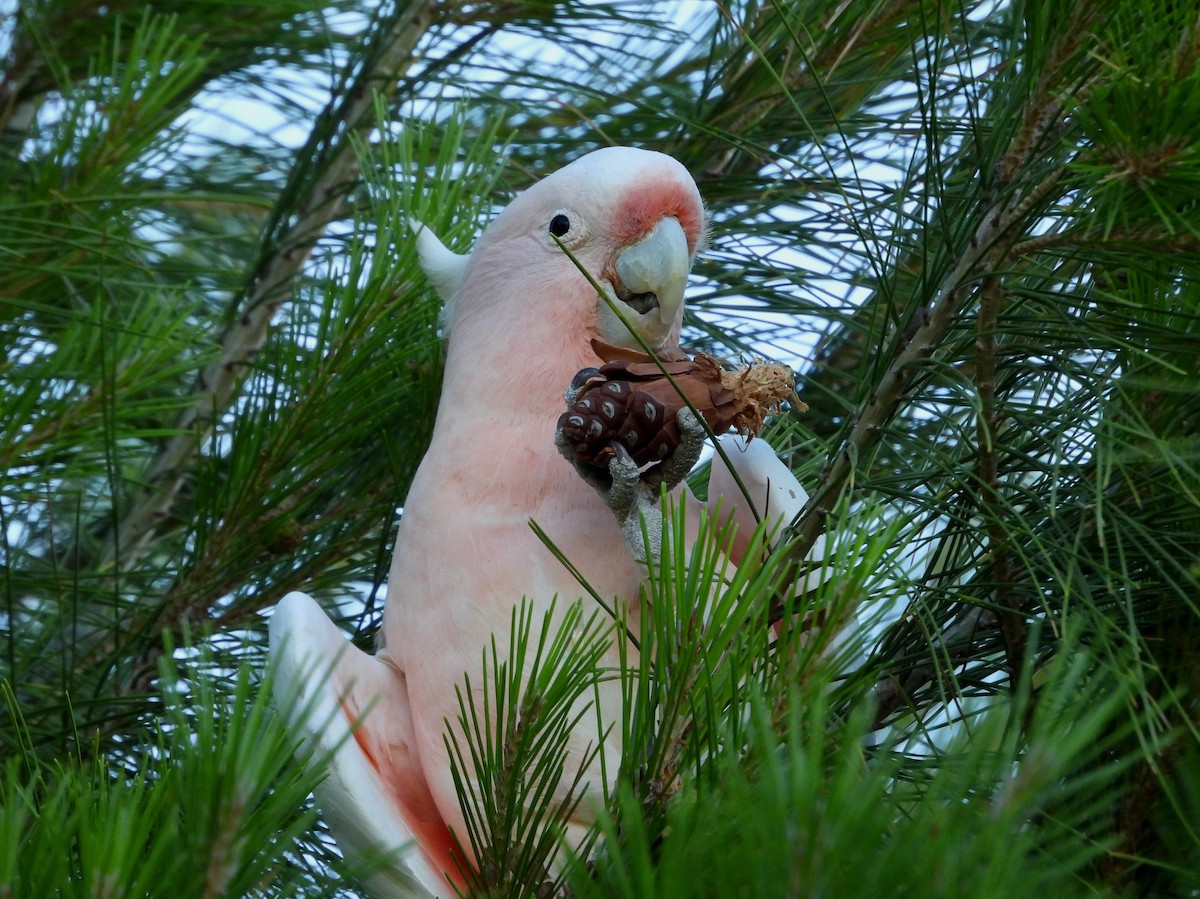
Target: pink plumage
{"points": [[465, 554]]}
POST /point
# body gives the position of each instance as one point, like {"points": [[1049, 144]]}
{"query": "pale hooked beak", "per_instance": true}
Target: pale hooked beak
{"points": [[650, 279]]}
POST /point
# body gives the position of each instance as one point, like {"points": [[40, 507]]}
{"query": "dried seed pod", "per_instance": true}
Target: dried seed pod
{"points": [[630, 400]]}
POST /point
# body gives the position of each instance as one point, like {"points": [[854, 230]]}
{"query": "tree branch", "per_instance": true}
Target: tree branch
{"points": [[987, 426], [995, 226], [329, 154]]}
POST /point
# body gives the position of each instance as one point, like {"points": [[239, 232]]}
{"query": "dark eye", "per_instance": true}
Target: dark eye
{"points": [[560, 225]]}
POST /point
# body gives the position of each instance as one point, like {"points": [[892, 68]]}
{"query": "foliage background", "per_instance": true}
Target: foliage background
{"points": [[974, 229]]}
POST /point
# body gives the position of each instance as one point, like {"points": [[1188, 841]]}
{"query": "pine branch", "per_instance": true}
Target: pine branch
{"points": [[988, 425], [313, 207], [997, 226], [1002, 223], [22, 67], [814, 72]]}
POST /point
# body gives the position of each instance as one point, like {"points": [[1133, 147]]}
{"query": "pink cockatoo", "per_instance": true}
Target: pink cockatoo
{"points": [[465, 554]]}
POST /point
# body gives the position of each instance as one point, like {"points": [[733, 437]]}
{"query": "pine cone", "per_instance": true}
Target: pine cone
{"points": [[630, 400]]}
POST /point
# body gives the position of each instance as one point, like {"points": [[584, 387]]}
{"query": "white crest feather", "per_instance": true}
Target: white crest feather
{"points": [[444, 268]]}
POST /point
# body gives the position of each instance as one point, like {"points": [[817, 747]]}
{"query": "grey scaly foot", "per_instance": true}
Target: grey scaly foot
{"points": [[635, 498], [674, 468], [635, 502]]}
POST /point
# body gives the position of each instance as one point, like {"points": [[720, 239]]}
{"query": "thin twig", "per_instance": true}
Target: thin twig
{"points": [[1154, 241]]}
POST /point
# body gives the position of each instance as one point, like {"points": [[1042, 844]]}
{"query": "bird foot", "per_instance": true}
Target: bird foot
{"points": [[634, 495]]}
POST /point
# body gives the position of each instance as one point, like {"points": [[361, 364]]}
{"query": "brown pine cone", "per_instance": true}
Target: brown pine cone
{"points": [[631, 401]]}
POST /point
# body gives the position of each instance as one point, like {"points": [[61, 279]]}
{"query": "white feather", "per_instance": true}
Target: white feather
{"points": [[774, 491], [444, 268], [315, 669]]}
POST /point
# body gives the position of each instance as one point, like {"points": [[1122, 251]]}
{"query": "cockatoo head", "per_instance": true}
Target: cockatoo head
{"points": [[633, 219]]}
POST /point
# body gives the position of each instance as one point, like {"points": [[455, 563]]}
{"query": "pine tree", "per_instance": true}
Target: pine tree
{"points": [[973, 228]]}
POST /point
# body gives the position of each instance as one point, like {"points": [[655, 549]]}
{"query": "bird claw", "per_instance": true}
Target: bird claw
{"points": [[627, 490], [592, 436], [598, 479], [623, 485], [578, 383], [675, 467], [633, 495]]}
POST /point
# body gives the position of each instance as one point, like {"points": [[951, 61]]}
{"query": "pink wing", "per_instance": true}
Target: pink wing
{"points": [[352, 711]]}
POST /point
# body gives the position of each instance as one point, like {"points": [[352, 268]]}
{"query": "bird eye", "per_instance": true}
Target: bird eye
{"points": [[560, 225]]}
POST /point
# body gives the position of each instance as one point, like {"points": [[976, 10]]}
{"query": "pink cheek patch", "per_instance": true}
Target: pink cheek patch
{"points": [[646, 203]]}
